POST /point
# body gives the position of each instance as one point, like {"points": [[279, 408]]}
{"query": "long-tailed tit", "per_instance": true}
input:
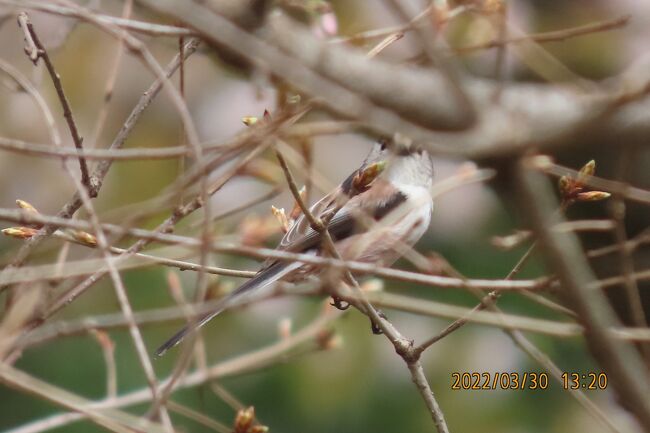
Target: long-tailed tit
{"points": [[380, 209]]}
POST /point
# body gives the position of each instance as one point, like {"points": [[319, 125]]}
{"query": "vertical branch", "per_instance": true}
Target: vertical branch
{"points": [[623, 365], [502, 49], [35, 50], [420, 380], [617, 211], [307, 149], [112, 79], [108, 350], [181, 89], [402, 345]]}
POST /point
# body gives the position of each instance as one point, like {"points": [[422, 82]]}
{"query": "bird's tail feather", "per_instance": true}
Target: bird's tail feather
{"points": [[263, 279]]}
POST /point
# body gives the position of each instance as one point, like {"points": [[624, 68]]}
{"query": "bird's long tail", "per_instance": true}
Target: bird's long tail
{"points": [[263, 279]]}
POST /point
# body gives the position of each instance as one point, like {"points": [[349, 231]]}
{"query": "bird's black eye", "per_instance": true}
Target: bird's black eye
{"points": [[383, 143]]}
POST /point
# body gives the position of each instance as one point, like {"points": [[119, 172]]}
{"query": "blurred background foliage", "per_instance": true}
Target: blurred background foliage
{"points": [[361, 386]]}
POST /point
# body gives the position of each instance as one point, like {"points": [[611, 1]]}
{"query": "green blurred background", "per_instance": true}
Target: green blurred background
{"points": [[361, 386]]}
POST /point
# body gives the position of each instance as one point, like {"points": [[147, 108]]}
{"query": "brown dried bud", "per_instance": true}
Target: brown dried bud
{"points": [[364, 178], [85, 238], [244, 419], [572, 190], [20, 232], [592, 196]]}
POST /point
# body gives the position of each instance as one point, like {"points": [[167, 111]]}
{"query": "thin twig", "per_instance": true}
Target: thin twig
{"points": [[108, 350], [198, 417], [110, 418], [502, 50], [552, 36], [615, 187], [490, 298], [100, 172], [109, 88], [35, 50], [241, 364], [172, 152], [382, 33], [143, 27], [631, 245], [266, 253]]}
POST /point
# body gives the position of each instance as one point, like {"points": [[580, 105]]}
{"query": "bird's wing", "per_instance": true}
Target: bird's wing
{"points": [[300, 238], [375, 202], [300, 228]]}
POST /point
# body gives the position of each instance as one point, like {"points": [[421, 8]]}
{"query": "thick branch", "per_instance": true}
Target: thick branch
{"points": [[375, 92]]}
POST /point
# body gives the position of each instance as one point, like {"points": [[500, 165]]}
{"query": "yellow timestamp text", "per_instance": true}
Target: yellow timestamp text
{"points": [[589, 380], [528, 380]]}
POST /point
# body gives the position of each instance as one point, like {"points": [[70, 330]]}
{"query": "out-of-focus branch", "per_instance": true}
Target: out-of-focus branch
{"points": [[251, 361], [543, 114], [100, 172], [265, 253], [127, 24], [431, 102], [109, 88], [562, 251], [617, 210], [41, 149], [551, 36], [110, 418], [546, 115]]}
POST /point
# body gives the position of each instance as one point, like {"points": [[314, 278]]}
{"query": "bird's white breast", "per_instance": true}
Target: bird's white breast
{"points": [[413, 220]]}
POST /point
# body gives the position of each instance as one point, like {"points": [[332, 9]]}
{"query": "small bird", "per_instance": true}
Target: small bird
{"points": [[381, 208]]}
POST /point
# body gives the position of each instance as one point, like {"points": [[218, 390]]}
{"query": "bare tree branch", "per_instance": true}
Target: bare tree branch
{"points": [[628, 375]]}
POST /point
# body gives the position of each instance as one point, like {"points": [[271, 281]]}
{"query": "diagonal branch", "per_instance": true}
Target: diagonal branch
{"points": [[402, 345], [100, 172], [35, 50]]}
